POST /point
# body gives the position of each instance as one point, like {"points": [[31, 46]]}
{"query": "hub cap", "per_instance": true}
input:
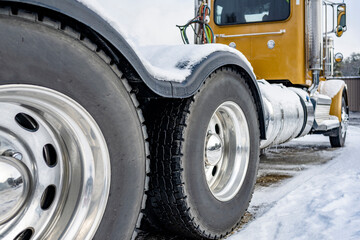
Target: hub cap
{"points": [[14, 187], [344, 121], [214, 149], [227, 150], [55, 166]]}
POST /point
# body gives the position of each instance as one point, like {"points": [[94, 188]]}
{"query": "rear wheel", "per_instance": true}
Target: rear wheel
{"points": [[339, 139], [71, 140], [204, 158]]}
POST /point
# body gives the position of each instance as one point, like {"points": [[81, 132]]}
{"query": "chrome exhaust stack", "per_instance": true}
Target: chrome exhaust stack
{"points": [[314, 35]]}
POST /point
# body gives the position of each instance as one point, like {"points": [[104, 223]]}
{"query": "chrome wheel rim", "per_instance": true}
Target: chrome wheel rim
{"points": [[344, 121], [227, 151], [58, 152]]}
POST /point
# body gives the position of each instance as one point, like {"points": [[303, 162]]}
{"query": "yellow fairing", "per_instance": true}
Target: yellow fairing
{"points": [[286, 61], [341, 14], [339, 29], [335, 108]]}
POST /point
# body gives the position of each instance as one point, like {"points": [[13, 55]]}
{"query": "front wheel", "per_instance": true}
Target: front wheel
{"points": [[339, 139], [204, 158]]}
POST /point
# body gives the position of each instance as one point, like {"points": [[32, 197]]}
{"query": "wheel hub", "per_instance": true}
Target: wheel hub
{"points": [[226, 153], [54, 169], [14, 187], [214, 149], [344, 121]]}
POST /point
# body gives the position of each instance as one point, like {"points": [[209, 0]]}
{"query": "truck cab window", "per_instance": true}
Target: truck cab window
{"points": [[228, 12]]}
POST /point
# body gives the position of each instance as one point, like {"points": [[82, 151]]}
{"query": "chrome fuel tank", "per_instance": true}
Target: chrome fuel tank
{"points": [[288, 113]]}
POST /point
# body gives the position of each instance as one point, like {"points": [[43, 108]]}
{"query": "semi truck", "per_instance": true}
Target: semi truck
{"points": [[103, 146]]}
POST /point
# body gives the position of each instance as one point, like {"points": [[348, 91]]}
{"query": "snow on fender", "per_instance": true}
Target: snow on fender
{"points": [[331, 87]]}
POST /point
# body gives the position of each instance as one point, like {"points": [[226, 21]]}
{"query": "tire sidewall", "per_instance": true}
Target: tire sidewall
{"points": [[339, 140]]}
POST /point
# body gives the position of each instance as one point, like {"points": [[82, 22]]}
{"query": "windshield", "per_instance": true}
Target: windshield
{"points": [[250, 11]]}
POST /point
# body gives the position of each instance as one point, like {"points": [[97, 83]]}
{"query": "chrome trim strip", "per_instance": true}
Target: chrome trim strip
{"points": [[282, 31]]}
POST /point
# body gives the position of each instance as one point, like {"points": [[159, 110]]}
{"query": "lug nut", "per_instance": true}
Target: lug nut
{"points": [[14, 154]]}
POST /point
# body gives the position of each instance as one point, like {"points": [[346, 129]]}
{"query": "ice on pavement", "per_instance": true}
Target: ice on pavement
{"points": [[150, 30], [320, 203]]}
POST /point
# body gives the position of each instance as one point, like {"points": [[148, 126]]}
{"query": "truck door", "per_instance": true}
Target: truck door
{"points": [[270, 33]]}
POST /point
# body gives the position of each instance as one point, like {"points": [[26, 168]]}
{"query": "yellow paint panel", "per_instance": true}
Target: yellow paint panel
{"points": [[284, 62], [336, 104]]}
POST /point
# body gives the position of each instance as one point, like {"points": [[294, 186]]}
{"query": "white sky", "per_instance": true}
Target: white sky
{"points": [[155, 23], [350, 41], [146, 22]]}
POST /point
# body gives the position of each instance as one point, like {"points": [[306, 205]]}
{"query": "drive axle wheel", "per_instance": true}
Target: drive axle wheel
{"points": [[204, 158], [72, 146]]}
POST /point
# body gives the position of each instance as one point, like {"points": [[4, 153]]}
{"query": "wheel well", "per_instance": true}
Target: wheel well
{"points": [[346, 97]]}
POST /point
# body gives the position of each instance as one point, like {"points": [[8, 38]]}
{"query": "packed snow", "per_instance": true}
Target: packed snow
{"points": [[319, 203], [143, 25], [175, 63]]}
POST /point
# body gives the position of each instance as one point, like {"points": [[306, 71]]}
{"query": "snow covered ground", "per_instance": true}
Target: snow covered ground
{"points": [[320, 201], [305, 190]]}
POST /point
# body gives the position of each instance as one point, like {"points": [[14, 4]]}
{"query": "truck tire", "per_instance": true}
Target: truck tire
{"points": [[339, 139], [71, 131], [204, 158]]}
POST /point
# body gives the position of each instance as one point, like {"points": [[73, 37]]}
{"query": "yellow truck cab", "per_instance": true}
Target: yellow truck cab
{"points": [[271, 34], [286, 41], [276, 35]]}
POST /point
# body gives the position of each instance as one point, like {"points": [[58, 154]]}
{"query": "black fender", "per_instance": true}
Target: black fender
{"points": [[82, 14]]}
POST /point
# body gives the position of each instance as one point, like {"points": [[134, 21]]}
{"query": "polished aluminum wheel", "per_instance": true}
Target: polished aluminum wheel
{"points": [[227, 151], [54, 166], [344, 121]]}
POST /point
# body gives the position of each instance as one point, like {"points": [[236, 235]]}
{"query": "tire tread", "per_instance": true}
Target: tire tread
{"points": [[167, 202]]}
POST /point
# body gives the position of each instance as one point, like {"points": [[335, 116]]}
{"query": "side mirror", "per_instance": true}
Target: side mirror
{"points": [[341, 20], [339, 57]]}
